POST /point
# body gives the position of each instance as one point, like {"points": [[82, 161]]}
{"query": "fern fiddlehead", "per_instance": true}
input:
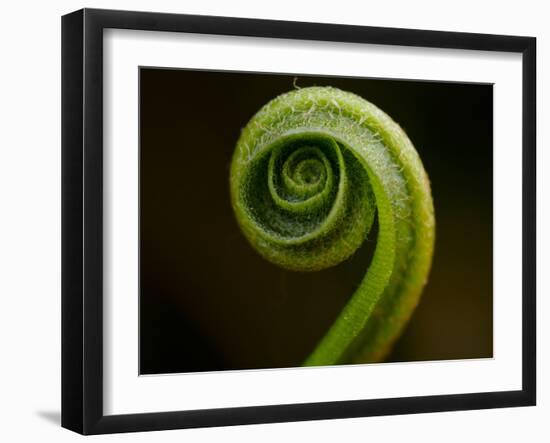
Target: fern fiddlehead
{"points": [[311, 172]]}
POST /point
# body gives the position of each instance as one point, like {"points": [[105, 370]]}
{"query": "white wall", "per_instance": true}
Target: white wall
{"points": [[30, 218]]}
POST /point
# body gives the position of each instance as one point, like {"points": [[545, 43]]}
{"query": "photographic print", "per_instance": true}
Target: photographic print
{"points": [[270, 221], [297, 220]]}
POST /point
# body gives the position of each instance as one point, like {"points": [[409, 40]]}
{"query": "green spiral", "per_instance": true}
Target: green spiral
{"points": [[309, 173]]}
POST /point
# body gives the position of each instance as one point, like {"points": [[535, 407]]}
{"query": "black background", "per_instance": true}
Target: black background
{"points": [[209, 302]]}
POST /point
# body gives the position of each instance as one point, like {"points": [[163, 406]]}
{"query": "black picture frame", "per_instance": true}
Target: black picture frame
{"points": [[82, 218]]}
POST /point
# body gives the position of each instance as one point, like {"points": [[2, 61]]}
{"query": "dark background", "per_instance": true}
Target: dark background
{"points": [[209, 302]]}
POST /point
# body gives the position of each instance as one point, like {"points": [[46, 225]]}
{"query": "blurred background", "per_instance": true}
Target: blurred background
{"points": [[208, 301]]}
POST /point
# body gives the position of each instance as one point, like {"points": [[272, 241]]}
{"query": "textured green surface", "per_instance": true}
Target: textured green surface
{"points": [[309, 173]]}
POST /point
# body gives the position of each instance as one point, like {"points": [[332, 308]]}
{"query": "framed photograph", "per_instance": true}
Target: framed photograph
{"points": [[269, 221]]}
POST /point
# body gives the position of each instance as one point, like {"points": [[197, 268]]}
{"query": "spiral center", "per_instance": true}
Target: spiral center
{"points": [[304, 173], [309, 171]]}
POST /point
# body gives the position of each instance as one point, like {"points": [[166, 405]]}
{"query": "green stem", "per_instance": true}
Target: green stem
{"points": [[309, 173]]}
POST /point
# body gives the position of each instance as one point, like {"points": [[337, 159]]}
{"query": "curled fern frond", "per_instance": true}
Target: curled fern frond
{"points": [[311, 173]]}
